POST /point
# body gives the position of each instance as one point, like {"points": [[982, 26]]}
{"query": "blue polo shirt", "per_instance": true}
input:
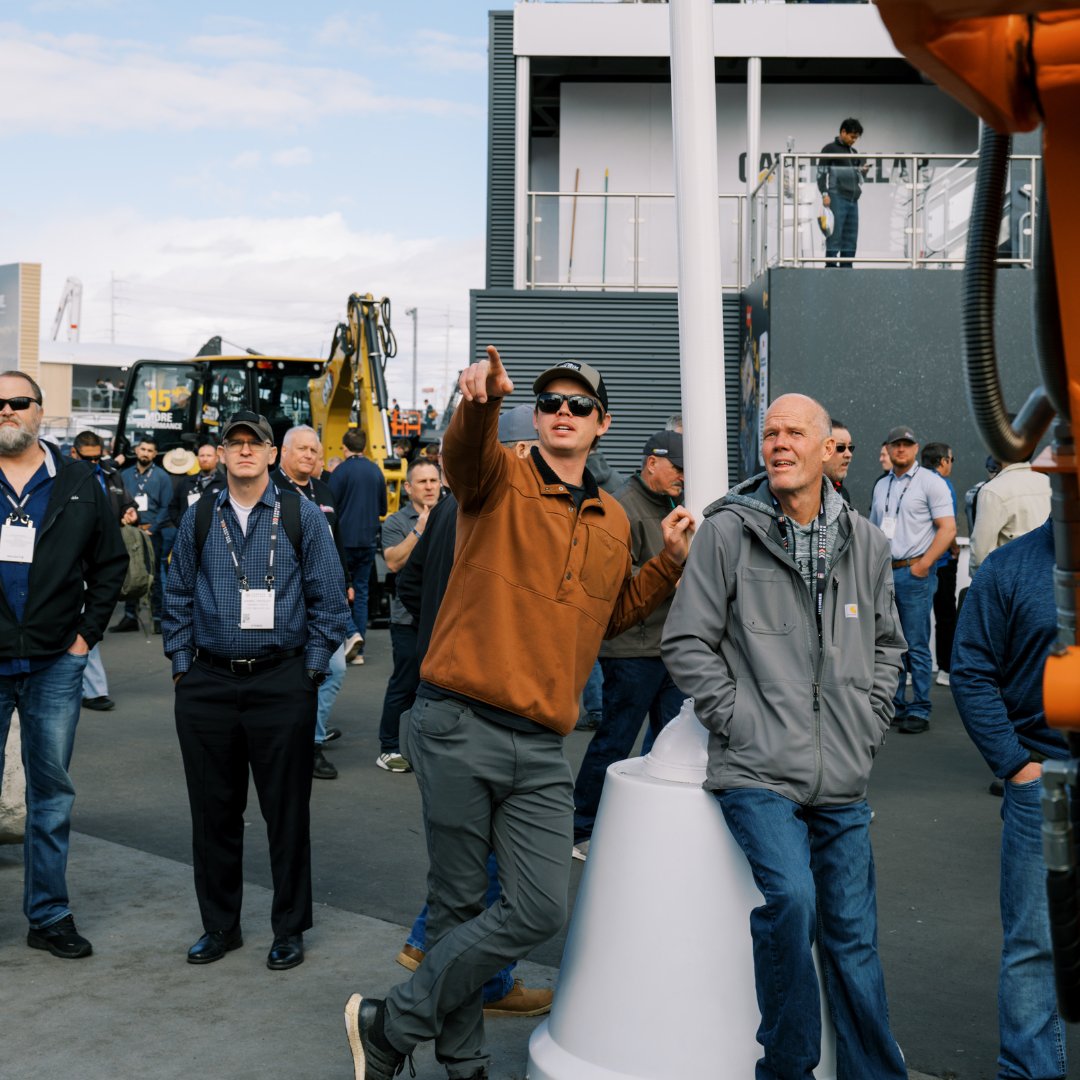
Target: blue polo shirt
{"points": [[15, 577]]}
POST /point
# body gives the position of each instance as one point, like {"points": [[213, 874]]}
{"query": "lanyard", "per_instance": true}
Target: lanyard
{"points": [[18, 515], [822, 536], [145, 478], [241, 577], [888, 494]]}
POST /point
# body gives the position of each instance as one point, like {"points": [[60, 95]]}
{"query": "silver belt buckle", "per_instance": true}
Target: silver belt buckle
{"points": [[241, 667]]}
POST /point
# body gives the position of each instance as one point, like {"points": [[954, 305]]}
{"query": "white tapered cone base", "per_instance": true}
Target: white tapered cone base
{"points": [[657, 978]]}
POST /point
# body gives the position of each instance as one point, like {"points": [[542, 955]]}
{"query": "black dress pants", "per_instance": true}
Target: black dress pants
{"points": [[225, 724]]}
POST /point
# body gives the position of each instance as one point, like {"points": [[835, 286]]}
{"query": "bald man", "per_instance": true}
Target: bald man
{"points": [[785, 633]]}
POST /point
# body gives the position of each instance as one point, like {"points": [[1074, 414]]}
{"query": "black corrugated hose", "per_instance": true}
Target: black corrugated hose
{"points": [[1049, 346], [1005, 441]]}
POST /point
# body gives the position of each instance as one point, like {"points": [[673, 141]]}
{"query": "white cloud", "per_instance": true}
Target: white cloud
{"points": [[81, 83], [278, 284], [247, 159], [234, 46], [293, 155], [446, 52]]}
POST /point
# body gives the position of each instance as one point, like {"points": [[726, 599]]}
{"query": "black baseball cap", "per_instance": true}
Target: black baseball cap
{"points": [[666, 444], [575, 369], [248, 419]]}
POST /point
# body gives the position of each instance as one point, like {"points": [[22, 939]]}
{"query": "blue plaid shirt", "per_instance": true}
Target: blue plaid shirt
{"points": [[202, 603]]}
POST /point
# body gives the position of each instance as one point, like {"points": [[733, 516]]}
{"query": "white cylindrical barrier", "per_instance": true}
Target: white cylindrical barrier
{"points": [[657, 978]]}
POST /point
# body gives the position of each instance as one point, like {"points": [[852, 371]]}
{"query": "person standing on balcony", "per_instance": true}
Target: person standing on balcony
{"points": [[840, 183]]}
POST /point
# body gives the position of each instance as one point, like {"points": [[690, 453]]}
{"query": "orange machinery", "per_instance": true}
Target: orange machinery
{"points": [[1016, 63]]}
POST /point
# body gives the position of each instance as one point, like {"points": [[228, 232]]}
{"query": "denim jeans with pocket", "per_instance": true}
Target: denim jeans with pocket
{"points": [[914, 602], [815, 870], [48, 701]]}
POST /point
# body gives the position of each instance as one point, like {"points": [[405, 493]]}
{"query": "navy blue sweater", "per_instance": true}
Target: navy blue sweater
{"points": [[1006, 628], [359, 490]]}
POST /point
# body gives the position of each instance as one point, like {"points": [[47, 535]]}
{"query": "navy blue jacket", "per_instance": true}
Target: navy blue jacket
{"points": [[1006, 628], [359, 491]]}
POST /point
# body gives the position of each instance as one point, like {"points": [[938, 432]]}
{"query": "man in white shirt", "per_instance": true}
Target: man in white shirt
{"points": [[914, 509], [1013, 503]]}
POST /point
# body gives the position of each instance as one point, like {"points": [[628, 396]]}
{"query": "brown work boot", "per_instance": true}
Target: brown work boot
{"points": [[410, 957], [521, 1001]]}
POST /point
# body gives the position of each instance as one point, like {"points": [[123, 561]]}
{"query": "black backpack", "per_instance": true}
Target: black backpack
{"points": [[290, 520]]}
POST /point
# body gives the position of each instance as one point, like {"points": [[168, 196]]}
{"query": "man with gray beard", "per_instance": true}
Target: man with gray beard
{"points": [[62, 563]]}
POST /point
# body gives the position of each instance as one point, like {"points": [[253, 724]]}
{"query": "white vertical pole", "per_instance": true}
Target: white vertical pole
{"points": [[753, 138], [697, 225], [522, 229]]}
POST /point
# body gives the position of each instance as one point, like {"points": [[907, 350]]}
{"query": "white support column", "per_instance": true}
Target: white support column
{"points": [[521, 174], [697, 223], [753, 142]]}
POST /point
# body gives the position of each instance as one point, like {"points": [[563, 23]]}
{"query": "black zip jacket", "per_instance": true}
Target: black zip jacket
{"points": [[78, 569], [835, 177]]}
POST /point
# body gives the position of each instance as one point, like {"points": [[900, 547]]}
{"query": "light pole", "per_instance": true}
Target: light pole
{"points": [[413, 314]]}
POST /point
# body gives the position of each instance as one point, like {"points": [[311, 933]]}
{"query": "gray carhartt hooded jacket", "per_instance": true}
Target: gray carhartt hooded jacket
{"points": [[785, 713]]}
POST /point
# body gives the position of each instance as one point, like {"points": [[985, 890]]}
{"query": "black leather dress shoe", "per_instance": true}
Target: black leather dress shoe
{"points": [[286, 952], [125, 626], [332, 733], [213, 945], [61, 939], [98, 704]]}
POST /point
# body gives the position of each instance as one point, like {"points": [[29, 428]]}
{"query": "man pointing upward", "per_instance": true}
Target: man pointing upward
{"points": [[542, 574]]}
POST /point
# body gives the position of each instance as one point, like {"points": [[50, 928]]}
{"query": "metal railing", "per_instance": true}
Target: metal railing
{"points": [[620, 241], [95, 399], [914, 212], [919, 206]]}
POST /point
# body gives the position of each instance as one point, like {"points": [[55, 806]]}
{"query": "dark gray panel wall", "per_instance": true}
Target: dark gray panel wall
{"points": [[882, 347], [632, 338], [501, 105]]}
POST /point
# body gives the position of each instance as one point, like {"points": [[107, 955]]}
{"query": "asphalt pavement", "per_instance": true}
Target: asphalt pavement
{"points": [[136, 1009]]}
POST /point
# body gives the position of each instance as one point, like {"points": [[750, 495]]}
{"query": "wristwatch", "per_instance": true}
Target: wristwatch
{"points": [[318, 677]]}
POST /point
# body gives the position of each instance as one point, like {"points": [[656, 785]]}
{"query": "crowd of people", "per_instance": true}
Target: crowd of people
{"points": [[800, 626]]}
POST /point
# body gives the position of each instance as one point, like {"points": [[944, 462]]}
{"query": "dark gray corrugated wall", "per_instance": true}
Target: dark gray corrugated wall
{"points": [[633, 338], [502, 83]]}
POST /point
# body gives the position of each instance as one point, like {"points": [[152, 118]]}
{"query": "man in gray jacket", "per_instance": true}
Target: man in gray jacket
{"points": [[785, 632]]}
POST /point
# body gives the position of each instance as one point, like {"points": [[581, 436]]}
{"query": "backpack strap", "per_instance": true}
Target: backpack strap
{"points": [[290, 520]]}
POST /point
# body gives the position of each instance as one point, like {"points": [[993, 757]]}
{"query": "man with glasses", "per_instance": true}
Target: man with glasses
{"points": [[542, 572], [150, 487], [254, 608], [913, 508], [939, 457], [836, 468], [62, 564]]}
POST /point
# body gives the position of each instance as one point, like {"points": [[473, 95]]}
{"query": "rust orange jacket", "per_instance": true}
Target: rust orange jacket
{"points": [[536, 586]]}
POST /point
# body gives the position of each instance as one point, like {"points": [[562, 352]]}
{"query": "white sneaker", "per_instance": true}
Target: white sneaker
{"points": [[353, 644], [356, 661], [393, 763], [942, 678], [581, 851]]}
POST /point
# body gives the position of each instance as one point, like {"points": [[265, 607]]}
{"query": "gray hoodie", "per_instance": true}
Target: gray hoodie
{"points": [[784, 712]]}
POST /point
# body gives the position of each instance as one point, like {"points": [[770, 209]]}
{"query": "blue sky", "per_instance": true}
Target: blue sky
{"points": [[241, 168]]}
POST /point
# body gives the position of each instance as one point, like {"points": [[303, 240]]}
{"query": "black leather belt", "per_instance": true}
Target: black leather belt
{"points": [[247, 667]]}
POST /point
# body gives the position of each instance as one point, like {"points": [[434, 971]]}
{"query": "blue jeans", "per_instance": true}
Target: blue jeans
{"points": [[815, 870], [328, 692], [94, 681], [592, 697], [914, 602], [840, 247], [360, 560], [634, 687], [502, 982], [1030, 1029], [48, 702]]}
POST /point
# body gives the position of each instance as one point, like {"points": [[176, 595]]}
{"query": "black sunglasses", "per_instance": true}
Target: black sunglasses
{"points": [[579, 404], [18, 404], [89, 457], [844, 447]]}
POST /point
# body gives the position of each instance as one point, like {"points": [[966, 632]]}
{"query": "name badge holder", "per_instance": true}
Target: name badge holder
{"points": [[256, 605], [142, 500], [18, 533], [193, 497]]}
